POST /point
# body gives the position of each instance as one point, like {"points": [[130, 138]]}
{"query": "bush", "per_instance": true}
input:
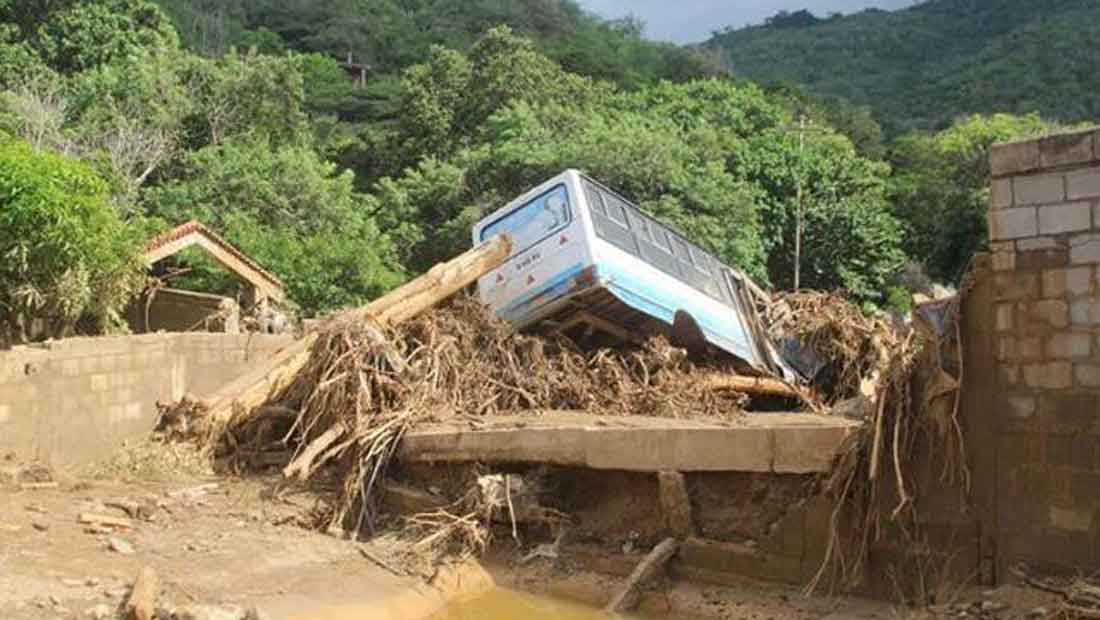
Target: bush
{"points": [[66, 258]]}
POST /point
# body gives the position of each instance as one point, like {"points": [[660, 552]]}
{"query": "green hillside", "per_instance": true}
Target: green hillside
{"points": [[389, 35], [924, 66]]}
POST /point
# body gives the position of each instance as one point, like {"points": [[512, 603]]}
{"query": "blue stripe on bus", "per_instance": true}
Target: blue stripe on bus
{"points": [[644, 295]]}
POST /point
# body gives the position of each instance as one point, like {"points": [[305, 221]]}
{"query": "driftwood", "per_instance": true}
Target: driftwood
{"points": [[89, 518], [754, 386], [628, 597], [141, 604], [442, 281]]}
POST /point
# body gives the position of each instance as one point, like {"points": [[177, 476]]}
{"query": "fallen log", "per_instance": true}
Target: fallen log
{"points": [[442, 281], [628, 597], [754, 386], [141, 604], [302, 466]]}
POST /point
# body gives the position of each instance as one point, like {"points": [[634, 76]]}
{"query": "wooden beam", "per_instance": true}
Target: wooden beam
{"points": [[402, 304], [755, 386], [628, 596]]}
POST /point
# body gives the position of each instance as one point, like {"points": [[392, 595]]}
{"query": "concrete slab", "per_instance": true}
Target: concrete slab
{"points": [[793, 443]]}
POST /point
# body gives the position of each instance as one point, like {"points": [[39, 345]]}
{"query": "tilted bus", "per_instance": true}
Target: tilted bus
{"points": [[586, 259]]}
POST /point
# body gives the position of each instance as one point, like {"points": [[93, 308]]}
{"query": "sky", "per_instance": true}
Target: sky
{"points": [[691, 21]]}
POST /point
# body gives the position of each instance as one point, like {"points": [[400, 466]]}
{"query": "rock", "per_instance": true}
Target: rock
{"points": [[54, 601], [1039, 612], [120, 545], [99, 612], [41, 527], [208, 612], [993, 606], [255, 613]]}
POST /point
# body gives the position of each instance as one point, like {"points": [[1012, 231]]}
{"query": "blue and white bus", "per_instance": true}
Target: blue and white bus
{"points": [[585, 258]]}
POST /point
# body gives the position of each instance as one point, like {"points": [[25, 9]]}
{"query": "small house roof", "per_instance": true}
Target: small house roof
{"points": [[195, 233]]}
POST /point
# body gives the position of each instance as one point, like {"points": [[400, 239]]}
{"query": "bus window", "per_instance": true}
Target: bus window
{"points": [[534, 221]]}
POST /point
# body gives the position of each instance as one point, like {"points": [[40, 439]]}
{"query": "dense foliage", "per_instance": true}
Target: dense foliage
{"points": [[246, 121], [65, 255], [921, 67]]}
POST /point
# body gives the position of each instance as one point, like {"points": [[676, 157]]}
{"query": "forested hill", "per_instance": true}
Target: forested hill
{"points": [[924, 66], [389, 35]]}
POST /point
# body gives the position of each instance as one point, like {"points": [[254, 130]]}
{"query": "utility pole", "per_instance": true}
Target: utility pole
{"points": [[798, 207]]}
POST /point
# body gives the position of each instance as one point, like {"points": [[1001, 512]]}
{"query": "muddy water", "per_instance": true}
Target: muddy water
{"points": [[501, 604]]}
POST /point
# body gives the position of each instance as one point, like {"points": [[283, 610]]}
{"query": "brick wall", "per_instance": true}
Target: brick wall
{"points": [[73, 401], [1044, 225]]}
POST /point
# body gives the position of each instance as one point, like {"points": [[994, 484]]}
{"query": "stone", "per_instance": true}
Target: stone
{"points": [[1065, 218], [1014, 157], [1079, 281], [208, 612], [1001, 196], [1038, 189], [1015, 223], [1083, 184], [1066, 149], [1069, 412], [255, 613], [99, 612], [1084, 249], [120, 545], [1049, 375], [1069, 344]]}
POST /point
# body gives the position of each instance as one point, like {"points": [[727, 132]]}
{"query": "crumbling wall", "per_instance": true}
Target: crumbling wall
{"points": [[173, 310], [72, 401], [1043, 485]]}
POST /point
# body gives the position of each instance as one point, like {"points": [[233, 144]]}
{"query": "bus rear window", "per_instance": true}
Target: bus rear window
{"points": [[534, 221]]}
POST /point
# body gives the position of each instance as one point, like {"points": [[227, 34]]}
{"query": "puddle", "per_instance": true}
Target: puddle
{"points": [[501, 604]]}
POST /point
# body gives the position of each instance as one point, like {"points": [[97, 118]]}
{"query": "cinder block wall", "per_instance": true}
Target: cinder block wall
{"points": [[74, 401], [1044, 225]]}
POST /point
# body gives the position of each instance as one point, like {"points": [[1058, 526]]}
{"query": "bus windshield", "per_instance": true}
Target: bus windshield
{"points": [[534, 221]]}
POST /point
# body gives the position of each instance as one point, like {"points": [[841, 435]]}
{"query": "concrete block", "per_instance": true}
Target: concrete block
{"points": [[1086, 375], [1021, 407], [1083, 184], [676, 504], [1009, 374], [1069, 412], [1079, 281], [1015, 223], [1042, 259], [1064, 218], [1047, 312], [1069, 345], [1038, 243], [1084, 249], [1001, 194], [1049, 375], [1004, 316], [1019, 348], [1071, 519], [1016, 286], [1066, 149], [1038, 189], [1014, 157], [1004, 255], [1085, 312]]}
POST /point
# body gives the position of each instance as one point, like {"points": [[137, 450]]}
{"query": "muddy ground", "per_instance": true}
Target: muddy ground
{"points": [[243, 542]]}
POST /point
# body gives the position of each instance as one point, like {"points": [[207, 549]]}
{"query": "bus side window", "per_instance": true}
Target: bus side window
{"points": [[595, 201]]}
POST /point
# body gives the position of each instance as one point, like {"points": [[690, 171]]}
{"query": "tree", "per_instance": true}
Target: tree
{"points": [[66, 258], [73, 35], [297, 215], [940, 188]]}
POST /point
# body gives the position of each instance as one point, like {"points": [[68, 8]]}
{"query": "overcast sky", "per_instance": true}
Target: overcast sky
{"points": [[691, 21]]}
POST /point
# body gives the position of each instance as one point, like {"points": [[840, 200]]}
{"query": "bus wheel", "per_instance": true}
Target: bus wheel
{"points": [[687, 335]]}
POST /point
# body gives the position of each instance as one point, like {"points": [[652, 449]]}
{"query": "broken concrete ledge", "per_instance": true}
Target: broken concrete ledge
{"points": [[783, 443]]}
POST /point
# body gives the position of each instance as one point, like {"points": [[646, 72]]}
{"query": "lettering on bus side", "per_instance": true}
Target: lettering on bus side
{"points": [[528, 260]]}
